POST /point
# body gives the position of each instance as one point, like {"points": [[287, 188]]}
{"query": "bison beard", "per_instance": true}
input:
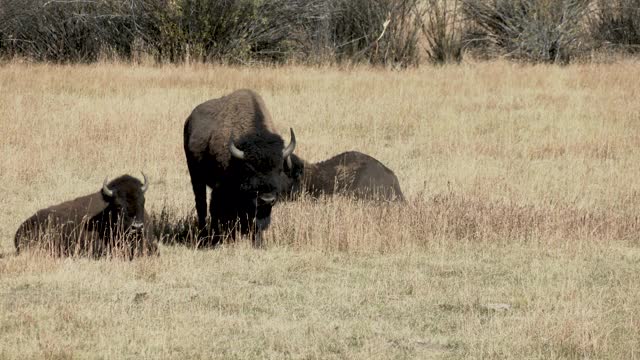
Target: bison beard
{"points": [[241, 213]]}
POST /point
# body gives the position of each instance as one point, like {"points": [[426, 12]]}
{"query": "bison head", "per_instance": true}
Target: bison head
{"points": [[256, 175], [125, 202]]}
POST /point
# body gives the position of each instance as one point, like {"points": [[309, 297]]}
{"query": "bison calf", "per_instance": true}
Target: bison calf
{"points": [[232, 147], [350, 173], [112, 220]]}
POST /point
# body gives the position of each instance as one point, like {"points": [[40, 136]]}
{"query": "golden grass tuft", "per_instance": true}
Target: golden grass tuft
{"points": [[522, 186]]}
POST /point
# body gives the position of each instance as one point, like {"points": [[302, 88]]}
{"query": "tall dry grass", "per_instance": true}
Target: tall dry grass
{"points": [[522, 184]]}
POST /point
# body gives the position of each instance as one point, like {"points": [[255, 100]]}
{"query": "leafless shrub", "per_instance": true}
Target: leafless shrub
{"points": [[378, 32], [236, 31], [616, 25], [67, 31], [441, 28], [382, 32], [531, 30]]}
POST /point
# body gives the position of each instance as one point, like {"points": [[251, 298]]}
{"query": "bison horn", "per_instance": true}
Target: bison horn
{"points": [[145, 185], [234, 150], [105, 188], [292, 145]]}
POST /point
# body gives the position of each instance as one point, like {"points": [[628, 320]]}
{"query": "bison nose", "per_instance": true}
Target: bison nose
{"points": [[268, 198]]}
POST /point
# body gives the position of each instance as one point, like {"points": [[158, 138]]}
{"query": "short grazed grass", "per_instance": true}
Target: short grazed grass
{"points": [[519, 238], [237, 302]]}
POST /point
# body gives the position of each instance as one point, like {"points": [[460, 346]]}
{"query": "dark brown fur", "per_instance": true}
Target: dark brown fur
{"points": [[350, 173], [92, 224], [235, 183]]}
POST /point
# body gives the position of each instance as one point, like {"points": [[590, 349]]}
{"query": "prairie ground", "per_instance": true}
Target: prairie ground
{"points": [[520, 237]]}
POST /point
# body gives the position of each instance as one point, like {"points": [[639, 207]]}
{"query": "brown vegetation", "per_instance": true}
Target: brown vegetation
{"points": [[519, 237], [392, 33]]}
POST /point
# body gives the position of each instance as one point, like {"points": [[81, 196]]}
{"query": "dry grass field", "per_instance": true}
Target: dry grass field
{"points": [[520, 239]]}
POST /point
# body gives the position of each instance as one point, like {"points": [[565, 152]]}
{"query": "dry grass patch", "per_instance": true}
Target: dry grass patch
{"points": [[519, 238], [241, 303], [356, 226]]}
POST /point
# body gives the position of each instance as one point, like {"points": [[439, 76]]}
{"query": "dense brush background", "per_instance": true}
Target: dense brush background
{"points": [[392, 33]]}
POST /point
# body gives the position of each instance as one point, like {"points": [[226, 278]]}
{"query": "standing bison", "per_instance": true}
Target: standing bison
{"points": [[350, 173], [233, 148], [112, 220]]}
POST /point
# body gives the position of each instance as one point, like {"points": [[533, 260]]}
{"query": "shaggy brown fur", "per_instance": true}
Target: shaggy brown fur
{"points": [[238, 185], [350, 173], [94, 224]]}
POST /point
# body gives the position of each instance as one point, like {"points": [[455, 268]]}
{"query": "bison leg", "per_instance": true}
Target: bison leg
{"points": [[221, 226], [199, 186], [257, 239], [200, 194]]}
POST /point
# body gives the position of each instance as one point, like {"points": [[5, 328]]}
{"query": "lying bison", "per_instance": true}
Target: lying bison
{"points": [[350, 173], [233, 148], [110, 221]]}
